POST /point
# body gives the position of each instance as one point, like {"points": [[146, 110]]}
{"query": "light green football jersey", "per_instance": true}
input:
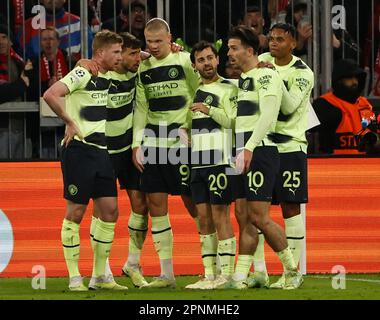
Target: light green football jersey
{"points": [[298, 78], [86, 104], [253, 87], [212, 135], [120, 111], [164, 93]]}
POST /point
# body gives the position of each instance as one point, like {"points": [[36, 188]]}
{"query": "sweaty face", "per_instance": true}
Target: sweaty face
{"points": [[131, 59], [238, 54], [281, 43], [206, 63], [158, 43], [111, 56]]}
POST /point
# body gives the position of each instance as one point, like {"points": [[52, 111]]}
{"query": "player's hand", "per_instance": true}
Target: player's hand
{"points": [[144, 55], [137, 159], [243, 161], [184, 137], [200, 107], [71, 131], [175, 47], [90, 65], [264, 64]]}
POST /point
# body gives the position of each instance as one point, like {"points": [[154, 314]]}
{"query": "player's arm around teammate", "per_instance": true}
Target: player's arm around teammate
{"points": [[213, 115], [258, 108], [86, 168], [162, 99], [291, 182]]}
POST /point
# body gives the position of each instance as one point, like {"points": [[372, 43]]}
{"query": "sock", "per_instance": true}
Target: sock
{"points": [[209, 249], [287, 260], [242, 267], [295, 232], [103, 238], [198, 224], [138, 228], [71, 246], [94, 220], [108, 271], [163, 243], [227, 254], [259, 256]]}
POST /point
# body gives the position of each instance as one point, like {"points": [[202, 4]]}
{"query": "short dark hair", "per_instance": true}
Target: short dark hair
{"points": [[247, 35], [200, 46], [288, 28], [253, 9], [130, 41], [5, 30]]}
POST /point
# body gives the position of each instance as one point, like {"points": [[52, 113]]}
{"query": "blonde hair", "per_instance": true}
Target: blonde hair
{"points": [[51, 28], [105, 38], [157, 24]]}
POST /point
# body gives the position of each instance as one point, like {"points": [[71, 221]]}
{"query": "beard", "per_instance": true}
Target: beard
{"points": [[349, 94], [208, 75]]}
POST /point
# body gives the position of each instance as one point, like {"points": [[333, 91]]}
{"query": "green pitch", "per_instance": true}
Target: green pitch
{"points": [[315, 287]]}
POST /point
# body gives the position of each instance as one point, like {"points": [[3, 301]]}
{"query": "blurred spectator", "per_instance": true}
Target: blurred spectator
{"points": [[277, 11], [53, 64], [372, 42], [253, 18], [232, 71], [13, 81], [13, 84], [16, 11], [138, 16], [342, 110], [297, 16], [344, 45], [67, 25]]}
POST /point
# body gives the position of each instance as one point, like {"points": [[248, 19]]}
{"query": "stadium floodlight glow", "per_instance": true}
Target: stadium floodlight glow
{"points": [[6, 241]]}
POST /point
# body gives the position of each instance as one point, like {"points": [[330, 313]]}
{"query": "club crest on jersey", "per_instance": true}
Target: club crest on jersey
{"points": [[209, 100], [246, 85], [173, 73], [73, 189]]}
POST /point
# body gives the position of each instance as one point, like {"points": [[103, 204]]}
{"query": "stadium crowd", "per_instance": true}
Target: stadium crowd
{"points": [[218, 123], [33, 59]]}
